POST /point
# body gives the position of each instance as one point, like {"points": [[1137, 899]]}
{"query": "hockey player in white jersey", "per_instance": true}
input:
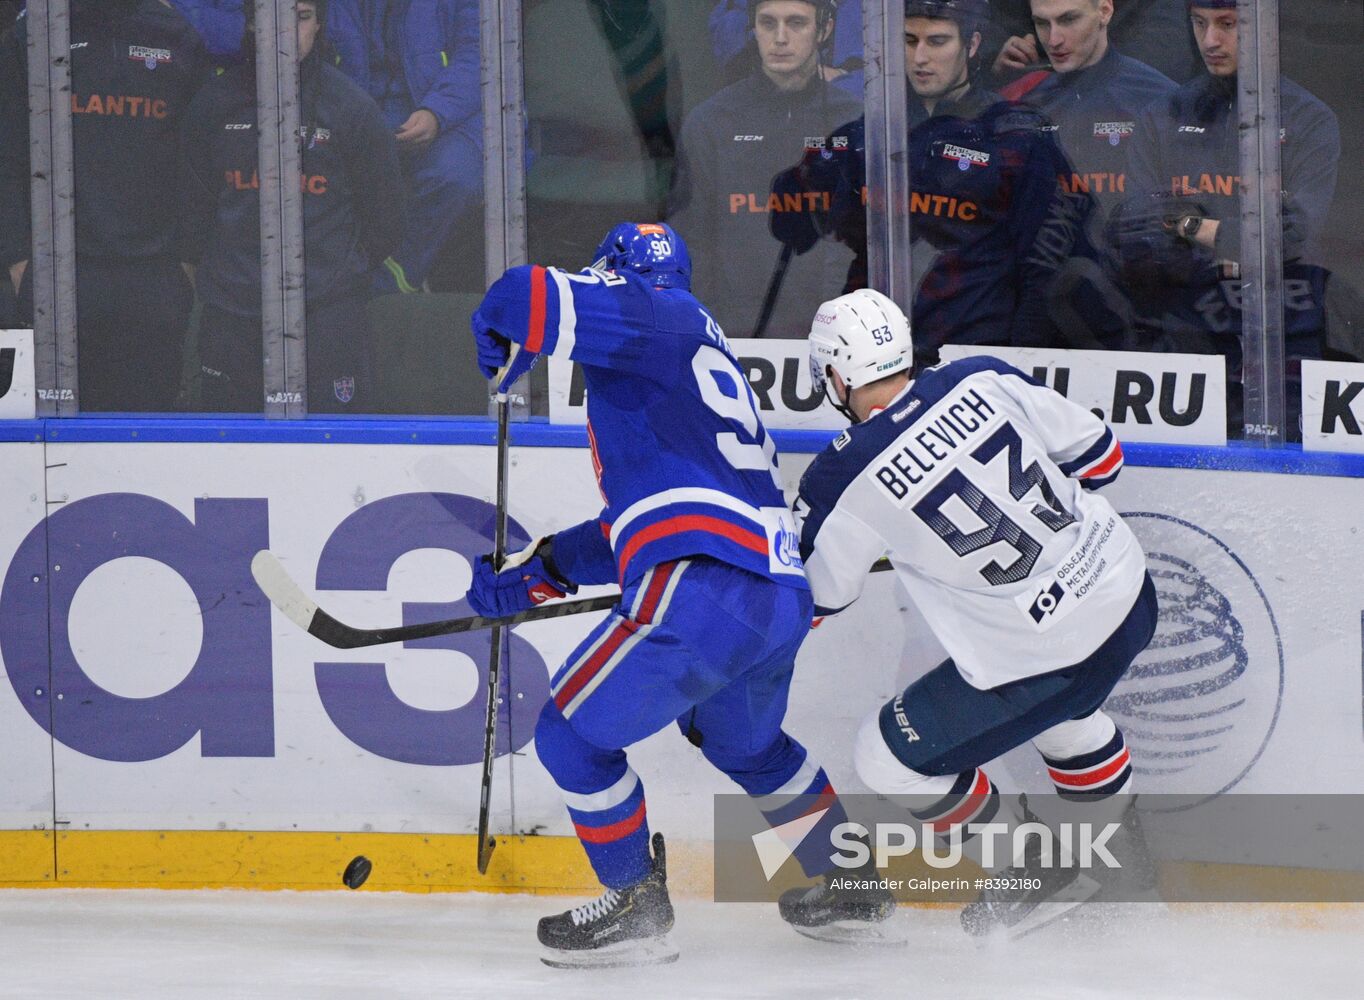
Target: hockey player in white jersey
{"points": [[976, 481]]}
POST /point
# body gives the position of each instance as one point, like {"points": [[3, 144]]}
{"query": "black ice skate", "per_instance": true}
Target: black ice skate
{"points": [[848, 907], [1029, 896], [620, 927]]}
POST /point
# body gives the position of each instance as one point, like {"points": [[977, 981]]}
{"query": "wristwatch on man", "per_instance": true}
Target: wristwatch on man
{"points": [[1188, 226]]}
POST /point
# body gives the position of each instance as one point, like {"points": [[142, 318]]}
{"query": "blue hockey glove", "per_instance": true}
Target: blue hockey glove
{"points": [[493, 348], [527, 578], [496, 352]]}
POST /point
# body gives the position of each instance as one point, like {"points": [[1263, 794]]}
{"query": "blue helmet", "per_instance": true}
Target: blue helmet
{"points": [[651, 249]]}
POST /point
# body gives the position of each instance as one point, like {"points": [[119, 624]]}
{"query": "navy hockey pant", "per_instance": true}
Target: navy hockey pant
{"points": [[705, 645], [950, 727]]}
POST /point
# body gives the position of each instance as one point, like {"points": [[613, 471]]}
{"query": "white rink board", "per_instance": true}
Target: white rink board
{"points": [[26, 775], [1285, 571]]}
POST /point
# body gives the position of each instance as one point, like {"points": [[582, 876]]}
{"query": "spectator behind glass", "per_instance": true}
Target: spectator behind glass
{"points": [[1179, 234], [732, 146], [1092, 100], [988, 220], [731, 33], [1155, 32], [220, 24], [419, 60], [135, 65], [352, 219]]}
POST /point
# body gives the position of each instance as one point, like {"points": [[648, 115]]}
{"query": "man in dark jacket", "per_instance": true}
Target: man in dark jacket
{"points": [[732, 146], [135, 65], [1156, 32], [989, 222], [419, 60], [1180, 232], [352, 219], [1092, 100]]}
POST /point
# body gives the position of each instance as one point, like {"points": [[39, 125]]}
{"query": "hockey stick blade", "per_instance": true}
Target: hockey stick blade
{"points": [[286, 595]]}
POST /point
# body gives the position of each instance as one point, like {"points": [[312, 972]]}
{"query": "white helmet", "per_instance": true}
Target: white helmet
{"points": [[863, 336]]}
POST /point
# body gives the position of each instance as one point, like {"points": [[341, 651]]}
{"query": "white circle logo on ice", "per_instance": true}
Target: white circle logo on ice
{"points": [[1200, 703]]}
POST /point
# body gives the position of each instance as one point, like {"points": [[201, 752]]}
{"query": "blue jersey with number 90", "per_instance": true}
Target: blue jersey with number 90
{"points": [[684, 463]]}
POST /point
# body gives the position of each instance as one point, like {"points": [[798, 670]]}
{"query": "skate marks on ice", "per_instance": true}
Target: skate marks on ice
{"points": [[172, 945]]}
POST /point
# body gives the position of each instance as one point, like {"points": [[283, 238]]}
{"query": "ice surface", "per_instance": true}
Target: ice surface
{"points": [[168, 945]]}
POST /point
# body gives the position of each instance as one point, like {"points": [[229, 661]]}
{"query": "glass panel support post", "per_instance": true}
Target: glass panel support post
{"points": [[52, 262], [887, 154], [281, 209], [1261, 261]]}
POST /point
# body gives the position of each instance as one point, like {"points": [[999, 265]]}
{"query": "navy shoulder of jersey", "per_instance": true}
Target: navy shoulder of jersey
{"points": [[849, 454]]}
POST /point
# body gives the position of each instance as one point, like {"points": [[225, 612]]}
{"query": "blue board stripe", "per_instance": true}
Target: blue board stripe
{"points": [[539, 433]]}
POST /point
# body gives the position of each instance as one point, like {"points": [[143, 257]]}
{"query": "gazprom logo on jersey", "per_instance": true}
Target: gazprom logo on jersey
{"points": [[1198, 706], [784, 541]]}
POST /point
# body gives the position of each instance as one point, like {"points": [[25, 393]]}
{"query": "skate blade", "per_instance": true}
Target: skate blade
{"points": [[859, 933], [1054, 908], [641, 951]]}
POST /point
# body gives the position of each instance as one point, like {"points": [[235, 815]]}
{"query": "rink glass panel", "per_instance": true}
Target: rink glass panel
{"points": [[1321, 42], [659, 111], [392, 336], [1113, 277], [158, 185]]}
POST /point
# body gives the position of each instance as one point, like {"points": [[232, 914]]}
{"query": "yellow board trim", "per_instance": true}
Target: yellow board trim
{"points": [[202, 859], [406, 862], [27, 858], [415, 862]]}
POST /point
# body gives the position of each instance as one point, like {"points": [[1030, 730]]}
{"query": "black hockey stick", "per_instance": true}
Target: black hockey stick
{"points": [[773, 290], [290, 599], [298, 608], [485, 842]]}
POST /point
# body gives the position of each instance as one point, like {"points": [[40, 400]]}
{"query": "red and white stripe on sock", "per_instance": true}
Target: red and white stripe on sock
{"points": [[973, 798], [1096, 774]]}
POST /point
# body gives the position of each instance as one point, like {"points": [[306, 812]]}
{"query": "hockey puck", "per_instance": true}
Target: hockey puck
{"points": [[356, 872]]}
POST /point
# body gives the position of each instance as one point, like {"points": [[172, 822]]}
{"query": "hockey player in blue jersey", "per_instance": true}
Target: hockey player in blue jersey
{"points": [[976, 481], [714, 602]]}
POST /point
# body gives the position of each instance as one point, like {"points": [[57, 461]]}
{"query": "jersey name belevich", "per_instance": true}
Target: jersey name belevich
{"points": [[931, 441], [977, 482]]}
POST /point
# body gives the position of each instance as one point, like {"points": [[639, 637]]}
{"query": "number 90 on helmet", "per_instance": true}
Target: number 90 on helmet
{"points": [[651, 249], [864, 337]]}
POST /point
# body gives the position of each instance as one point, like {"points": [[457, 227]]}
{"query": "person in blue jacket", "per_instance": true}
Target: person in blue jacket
{"points": [[135, 65], [220, 24], [1179, 232], [419, 60], [352, 219]]}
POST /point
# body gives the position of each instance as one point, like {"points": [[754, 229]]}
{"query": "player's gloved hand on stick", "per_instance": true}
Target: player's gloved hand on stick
{"points": [[493, 348], [496, 352], [526, 579]]}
